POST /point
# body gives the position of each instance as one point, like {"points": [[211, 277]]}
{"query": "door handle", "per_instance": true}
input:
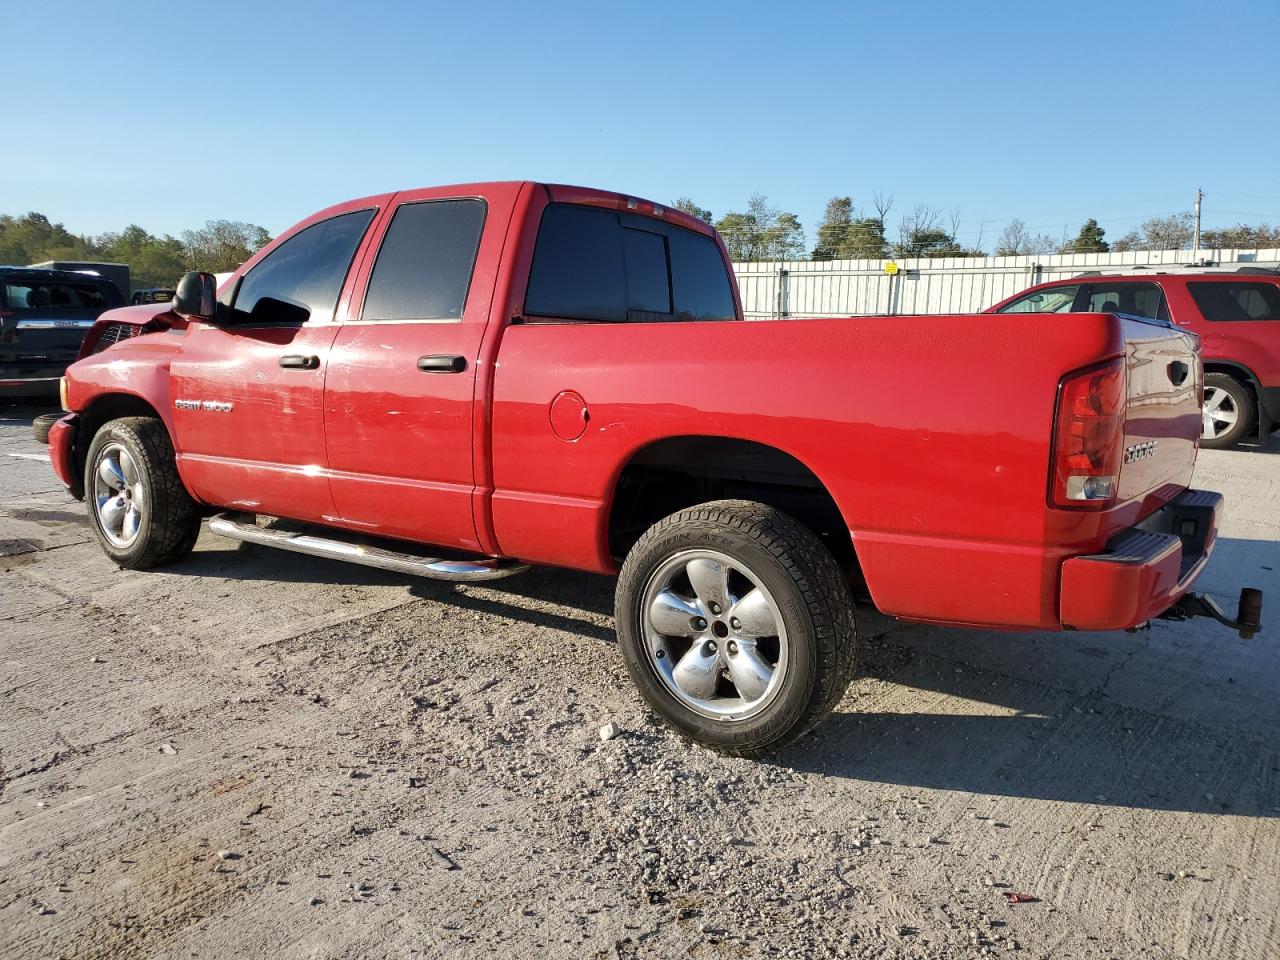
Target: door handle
{"points": [[442, 363], [296, 361]]}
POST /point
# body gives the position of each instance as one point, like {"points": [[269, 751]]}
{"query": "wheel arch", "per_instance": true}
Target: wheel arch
{"points": [[671, 473], [104, 408]]}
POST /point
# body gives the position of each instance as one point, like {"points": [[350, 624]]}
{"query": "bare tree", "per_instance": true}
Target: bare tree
{"points": [[1017, 241]]}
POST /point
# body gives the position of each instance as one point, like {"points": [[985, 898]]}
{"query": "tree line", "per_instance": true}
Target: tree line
{"points": [[846, 232], [154, 261]]}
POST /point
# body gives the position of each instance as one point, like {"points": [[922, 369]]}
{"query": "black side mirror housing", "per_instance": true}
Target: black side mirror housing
{"points": [[196, 297]]}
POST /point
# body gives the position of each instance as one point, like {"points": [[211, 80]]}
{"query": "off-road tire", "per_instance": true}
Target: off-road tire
{"points": [[171, 522], [1242, 398], [813, 598], [42, 424]]}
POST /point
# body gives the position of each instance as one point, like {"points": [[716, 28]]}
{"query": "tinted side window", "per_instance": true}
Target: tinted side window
{"points": [[592, 264], [1135, 299], [579, 268], [699, 277], [1237, 301], [306, 270], [424, 266], [1053, 300]]}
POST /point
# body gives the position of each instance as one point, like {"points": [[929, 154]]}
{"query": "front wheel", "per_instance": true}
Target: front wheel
{"points": [[736, 624], [138, 507]]}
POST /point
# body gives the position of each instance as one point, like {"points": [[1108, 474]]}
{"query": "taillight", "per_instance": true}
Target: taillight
{"points": [[1088, 439]]}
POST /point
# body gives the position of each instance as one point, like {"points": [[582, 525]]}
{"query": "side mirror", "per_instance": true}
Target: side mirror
{"points": [[196, 297]]}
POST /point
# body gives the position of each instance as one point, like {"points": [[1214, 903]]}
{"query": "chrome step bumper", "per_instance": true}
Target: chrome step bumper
{"points": [[227, 525]]}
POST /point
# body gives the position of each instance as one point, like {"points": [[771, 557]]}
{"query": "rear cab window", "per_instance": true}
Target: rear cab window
{"points": [[1236, 300], [27, 295], [599, 265]]}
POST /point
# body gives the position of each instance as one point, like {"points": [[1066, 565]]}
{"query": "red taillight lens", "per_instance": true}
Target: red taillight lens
{"points": [[1088, 439]]}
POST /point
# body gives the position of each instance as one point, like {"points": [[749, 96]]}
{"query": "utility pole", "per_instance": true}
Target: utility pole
{"points": [[1195, 247]]}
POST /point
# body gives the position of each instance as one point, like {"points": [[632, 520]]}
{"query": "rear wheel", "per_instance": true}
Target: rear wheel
{"points": [[736, 624], [138, 506], [1228, 411]]}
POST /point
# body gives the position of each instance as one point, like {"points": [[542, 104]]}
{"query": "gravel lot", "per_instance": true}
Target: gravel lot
{"points": [[260, 754]]}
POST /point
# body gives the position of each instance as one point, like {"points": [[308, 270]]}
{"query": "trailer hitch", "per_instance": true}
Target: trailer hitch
{"points": [[1247, 623]]}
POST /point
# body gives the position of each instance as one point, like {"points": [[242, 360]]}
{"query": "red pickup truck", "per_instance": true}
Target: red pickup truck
{"points": [[1236, 315], [520, 373]]}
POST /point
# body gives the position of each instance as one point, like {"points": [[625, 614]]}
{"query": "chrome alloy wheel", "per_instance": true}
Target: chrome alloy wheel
{"points": [[714, 635], [118, 495], [1220, 413]]}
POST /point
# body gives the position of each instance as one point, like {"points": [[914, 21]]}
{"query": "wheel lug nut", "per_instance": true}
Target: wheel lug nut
{"points": [[699, 623], [711, 646], [733, 647], [715, 608], [735, 623]]}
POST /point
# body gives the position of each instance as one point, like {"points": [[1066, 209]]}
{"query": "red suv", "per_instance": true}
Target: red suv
{"points": [[1237, 316]]}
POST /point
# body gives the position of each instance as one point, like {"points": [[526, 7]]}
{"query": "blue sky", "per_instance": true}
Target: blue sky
{"points": [[170, 114]]}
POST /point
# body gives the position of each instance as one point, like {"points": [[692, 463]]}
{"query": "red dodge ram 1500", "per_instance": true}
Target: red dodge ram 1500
{"points": [[523, 373]]}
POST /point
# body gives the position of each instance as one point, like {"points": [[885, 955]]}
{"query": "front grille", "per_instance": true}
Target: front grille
{"points": [[114, 333]]}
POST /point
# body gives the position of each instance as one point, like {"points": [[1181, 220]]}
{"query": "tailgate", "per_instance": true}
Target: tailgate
{"points": [[1162, 418]]}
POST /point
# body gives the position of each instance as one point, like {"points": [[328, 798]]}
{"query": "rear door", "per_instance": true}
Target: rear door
{"points": [[247, 393], [46, 318], [400, 407], [1241, 323]]}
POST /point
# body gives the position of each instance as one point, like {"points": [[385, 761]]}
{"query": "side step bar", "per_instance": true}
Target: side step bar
{"points": [[227, 525]]}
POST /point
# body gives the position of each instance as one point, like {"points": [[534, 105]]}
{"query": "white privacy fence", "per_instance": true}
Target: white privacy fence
{"points": [[844, 288]]}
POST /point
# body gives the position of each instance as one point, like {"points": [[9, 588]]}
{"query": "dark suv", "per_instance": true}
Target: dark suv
{"points": [[1236, 315], [44, 315]]}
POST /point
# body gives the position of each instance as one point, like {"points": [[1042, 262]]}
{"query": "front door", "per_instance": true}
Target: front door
{"points": [[247, 393], [400, 395]]}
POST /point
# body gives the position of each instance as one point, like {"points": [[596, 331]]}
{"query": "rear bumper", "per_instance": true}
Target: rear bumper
{"points": [[1144, 569], [62, 454]]}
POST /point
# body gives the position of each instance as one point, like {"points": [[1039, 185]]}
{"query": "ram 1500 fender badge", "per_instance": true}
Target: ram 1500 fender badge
{"points": [[216, 406], [1140, 451]]}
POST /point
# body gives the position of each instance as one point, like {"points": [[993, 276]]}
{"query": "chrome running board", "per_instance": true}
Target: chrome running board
{"points": [[226, 525]]}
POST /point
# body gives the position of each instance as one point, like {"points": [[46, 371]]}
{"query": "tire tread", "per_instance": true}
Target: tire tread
{"points": [[818, 578]]}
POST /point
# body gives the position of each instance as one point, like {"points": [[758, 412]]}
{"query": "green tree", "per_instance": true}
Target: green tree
{"points": [[763, 232], [153, 261], [1088, 240], [692, 209], [222, 245], [846, 234], [32, 238], [833, 230]]}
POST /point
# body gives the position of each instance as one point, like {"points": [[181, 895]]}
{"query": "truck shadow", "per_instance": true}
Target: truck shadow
{"points": [[1182, 717]]}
